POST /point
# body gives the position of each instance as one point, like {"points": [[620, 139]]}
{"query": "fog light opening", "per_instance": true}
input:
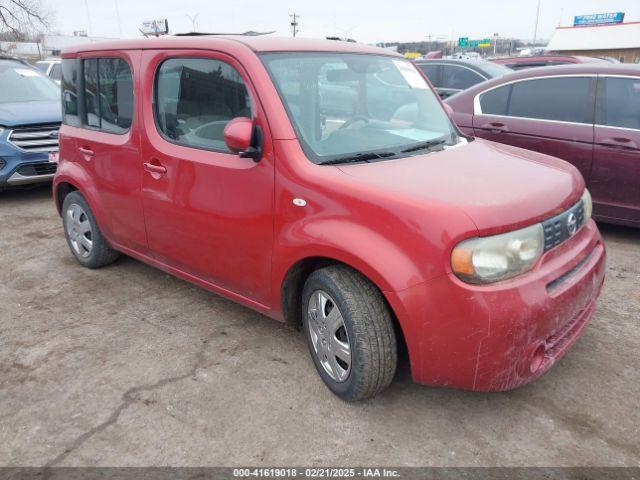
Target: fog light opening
{"points": [[538, 358]]}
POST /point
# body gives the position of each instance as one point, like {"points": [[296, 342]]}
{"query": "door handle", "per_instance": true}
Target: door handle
{"points": [[495, 127], [619, 142], [153, 168], [86, 151]]}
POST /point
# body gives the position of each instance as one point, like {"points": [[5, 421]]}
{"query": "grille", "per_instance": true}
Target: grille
{"points": [[39, 138], [36, 169], [558, 229]]}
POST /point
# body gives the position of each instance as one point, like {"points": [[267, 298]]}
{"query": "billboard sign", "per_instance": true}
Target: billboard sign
{"points": [[598, 19], [155, 27]]}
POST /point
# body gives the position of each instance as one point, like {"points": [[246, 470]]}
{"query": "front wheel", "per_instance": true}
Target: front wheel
{"points": [[349, 331]]}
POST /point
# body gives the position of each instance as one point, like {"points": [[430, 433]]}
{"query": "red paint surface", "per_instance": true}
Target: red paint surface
{"points": [[228, 223], [608, 158]]}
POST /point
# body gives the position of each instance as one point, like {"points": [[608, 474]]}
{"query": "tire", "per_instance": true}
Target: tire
{"points": [[83, 235], [367, 328]]}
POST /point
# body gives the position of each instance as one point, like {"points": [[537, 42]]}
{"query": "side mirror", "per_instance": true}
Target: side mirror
{"points": [[243, 138], [448, 109]]}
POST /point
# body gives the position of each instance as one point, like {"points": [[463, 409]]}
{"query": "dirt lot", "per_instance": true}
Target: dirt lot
{"points": [[129, 366]]}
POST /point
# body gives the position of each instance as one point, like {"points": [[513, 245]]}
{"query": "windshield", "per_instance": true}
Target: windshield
{"points": [[21, 83], [345, 104]]}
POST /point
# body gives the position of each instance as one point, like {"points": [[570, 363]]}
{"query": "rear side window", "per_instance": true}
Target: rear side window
{"points": [[108, 94], [70, 92], [562, 99], [619, 103], [495, 102], [196, 98], [459, 78], [432, 72], [116, 95]]}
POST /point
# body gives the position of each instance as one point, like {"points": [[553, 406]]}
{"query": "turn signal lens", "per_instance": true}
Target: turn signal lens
{"points": [[499, 257], [588, 205]]}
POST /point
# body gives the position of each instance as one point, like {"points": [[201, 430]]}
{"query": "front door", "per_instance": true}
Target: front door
{"points": [[615, 179], [208, 212]]}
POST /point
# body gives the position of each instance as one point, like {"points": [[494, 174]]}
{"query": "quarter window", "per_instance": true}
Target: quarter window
{"points": [[70, 92], [108, 95], [196, 98], [619, 103], [562, 99]]}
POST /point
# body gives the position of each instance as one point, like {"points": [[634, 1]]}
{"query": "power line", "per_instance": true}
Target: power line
{"points": [[294, 23]]}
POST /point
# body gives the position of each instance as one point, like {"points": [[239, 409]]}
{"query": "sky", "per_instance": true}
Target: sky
{"points": [[368, 21]]}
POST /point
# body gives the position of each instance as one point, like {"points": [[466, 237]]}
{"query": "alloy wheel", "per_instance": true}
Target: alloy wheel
{"points": [[329, 336]]}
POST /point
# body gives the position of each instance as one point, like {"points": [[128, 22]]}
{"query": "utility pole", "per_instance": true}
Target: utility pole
{"points": [[118, 18], [429, 44], [86, 6], [294, 23], [194, 21], [535, 31], [495, 43]]}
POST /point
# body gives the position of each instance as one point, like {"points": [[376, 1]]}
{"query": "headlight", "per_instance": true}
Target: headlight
{"points": [[588, 205], [495, 258]]}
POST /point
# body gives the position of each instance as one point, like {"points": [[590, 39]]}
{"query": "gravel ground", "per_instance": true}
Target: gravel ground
{"points": [[129, 366]]}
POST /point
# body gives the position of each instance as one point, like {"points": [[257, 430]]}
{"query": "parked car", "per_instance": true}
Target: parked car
{"points": [[588, 115], [29, 123], [51, 68], [519, 63], [452, 76], [211, 158]]}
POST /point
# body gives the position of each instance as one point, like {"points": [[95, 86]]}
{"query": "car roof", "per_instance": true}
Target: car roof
{"points": [[544, 58], [480, 66], [257, 43]]}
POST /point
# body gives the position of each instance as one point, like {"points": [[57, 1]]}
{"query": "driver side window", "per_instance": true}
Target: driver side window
{"points": [[196, 98]]}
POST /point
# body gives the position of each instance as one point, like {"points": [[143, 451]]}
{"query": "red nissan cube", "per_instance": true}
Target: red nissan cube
{"points": [[324, 184]]}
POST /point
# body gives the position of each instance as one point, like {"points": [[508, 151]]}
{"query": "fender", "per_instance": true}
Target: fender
{"points": [[386, 265], [74, 174]]}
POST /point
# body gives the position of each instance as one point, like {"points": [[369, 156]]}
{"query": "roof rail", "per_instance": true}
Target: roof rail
{"points": [[250, 33]]}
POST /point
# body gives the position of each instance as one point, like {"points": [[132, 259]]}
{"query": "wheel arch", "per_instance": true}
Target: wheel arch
{"points": [[293, 284], [61, 190]]}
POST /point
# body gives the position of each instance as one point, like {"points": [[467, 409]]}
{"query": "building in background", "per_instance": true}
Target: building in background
{"points": [[46, 46], [617, 40]]}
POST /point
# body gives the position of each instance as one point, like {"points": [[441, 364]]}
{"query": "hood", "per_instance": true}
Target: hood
{"points": [[26, 113], [498, 186]]}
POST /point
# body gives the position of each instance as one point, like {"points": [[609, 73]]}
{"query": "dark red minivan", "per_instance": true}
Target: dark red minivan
{"points": [[588, 115], [324, 184]]}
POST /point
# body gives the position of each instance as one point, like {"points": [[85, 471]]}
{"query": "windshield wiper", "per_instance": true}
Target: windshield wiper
{"points": [[423, 146], [358, 157]]}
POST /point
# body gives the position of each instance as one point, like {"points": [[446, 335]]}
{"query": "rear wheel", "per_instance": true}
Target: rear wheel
{"points": [[83, 235], [349, 331]]}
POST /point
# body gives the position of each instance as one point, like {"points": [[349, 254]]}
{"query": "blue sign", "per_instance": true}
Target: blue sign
{"points": [[598, 19]]}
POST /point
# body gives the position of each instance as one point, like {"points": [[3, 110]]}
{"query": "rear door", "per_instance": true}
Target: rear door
{"points": [[552, 115], [108, 143], [615, 179]]}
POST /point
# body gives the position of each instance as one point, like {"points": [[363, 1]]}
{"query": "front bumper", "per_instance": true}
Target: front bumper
{"points": [[501, 336], [22, 167]]}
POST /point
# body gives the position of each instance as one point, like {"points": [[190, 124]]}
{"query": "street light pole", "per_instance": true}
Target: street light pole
{"points": [[535, 30]]}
